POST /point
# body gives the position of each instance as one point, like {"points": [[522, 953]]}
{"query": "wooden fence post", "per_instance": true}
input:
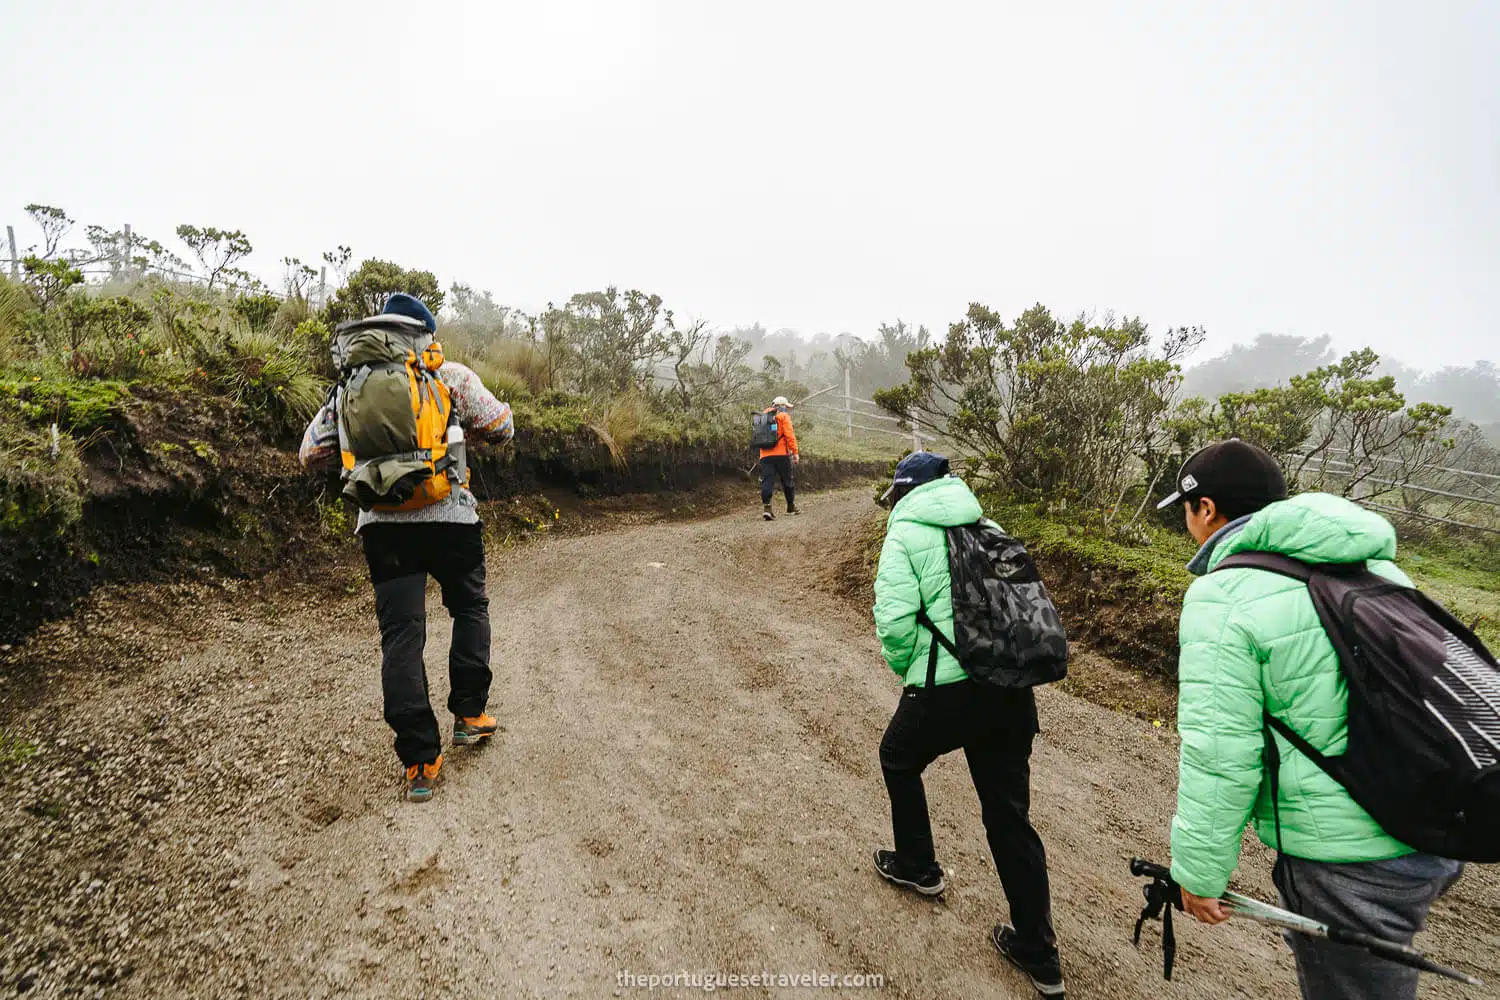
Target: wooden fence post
{"points": [[848, 407]]}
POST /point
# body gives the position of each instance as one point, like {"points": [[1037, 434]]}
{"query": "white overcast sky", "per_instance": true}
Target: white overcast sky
{"points": [[1288, 167]]}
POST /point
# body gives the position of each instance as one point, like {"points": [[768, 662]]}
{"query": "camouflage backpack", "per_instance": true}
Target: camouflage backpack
{"points": [[1006, 631], [399, 437]]}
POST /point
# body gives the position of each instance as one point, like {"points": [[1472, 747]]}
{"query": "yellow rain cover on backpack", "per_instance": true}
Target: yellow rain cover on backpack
{"points": [[393, 414]]}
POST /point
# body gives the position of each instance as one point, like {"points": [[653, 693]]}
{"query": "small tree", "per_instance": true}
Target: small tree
{"points": [[1363, 420], [686, 347], [710, 372], [1340, 427], [338, 259], [136, 253], [50, 278], [1055, 410], [617, 339], [54, 224], [217, 250], [471, 305], [881, 364], [365, 292], [258, 310], [296, 282]]}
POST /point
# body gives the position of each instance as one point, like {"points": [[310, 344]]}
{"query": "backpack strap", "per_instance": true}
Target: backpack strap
{"points": [[939, 640], [1271, 562], [1296, 569]]}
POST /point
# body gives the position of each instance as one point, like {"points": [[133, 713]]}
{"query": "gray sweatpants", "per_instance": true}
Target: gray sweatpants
{"points": [[1389, 899]]}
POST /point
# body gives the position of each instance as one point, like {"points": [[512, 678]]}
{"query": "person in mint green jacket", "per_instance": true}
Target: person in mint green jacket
{"points": [[942, 710], [1251, 643]]}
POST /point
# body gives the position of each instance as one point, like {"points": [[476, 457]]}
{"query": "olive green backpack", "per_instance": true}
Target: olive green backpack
{"points": [[399, 437]]}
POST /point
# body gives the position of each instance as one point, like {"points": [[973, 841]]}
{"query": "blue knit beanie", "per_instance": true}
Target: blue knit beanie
{"points": [[411, 307]]}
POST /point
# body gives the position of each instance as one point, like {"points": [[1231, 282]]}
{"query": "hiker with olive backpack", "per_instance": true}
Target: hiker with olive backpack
{"points": [[396, 419], [964, 620]]}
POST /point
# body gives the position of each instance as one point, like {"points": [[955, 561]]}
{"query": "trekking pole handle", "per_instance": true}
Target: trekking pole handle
{"points": [[1142, 868]]}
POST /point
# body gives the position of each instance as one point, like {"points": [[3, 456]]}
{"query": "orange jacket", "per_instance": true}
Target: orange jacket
{"points": [[787, 445]]}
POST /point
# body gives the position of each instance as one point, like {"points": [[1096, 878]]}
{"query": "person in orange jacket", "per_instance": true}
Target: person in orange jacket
{"points": [[776, 461]]}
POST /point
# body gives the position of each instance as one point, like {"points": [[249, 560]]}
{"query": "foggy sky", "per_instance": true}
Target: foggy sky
{"points": [[1300, 168]]}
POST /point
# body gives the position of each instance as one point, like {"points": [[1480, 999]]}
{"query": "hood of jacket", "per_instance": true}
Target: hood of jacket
{"points": [[1316, 528], [943, 503]]}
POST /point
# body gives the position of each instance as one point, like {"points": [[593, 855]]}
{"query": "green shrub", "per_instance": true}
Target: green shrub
{"points": [[109, 338], [77, 405], [620, 423], [185, 316], [525, 360], [333, 515], [15, 302], [313, 337], [257, 311], [41, 478], [504, 383], [271, 378], [290, 314]]}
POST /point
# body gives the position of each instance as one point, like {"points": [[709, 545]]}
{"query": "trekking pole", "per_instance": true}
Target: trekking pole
{"points": [[1163, 895]]}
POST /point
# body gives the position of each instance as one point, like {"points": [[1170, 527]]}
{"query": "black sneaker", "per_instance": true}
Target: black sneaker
{"points": [[928, 883], [1045, 974], [767, 513], [793, 511]]}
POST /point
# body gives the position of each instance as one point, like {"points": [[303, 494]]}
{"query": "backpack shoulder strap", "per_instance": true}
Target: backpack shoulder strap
{"points": [[939, 640], [1271, 562]]}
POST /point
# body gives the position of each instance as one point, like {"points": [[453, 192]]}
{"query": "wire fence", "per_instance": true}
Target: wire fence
{"points": [[848, 412], [1402, 488], [98, 273], [120, 265]]}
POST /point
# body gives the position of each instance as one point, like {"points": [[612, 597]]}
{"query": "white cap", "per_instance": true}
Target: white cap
{"points": [[781, 401]]}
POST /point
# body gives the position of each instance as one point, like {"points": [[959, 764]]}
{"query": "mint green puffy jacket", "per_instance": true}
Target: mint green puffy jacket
{"points": [[914, 572], [1251, 640]]}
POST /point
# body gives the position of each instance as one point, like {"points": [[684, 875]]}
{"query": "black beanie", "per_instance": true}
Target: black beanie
{"points": [[1239, 477]]}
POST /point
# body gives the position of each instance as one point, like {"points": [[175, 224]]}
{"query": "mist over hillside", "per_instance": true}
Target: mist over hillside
{"points": [[1473, 390]]}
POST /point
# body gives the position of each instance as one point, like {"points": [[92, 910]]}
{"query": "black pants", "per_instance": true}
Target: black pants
{"points": [[774, 468], [994, 727], [401, 556]]}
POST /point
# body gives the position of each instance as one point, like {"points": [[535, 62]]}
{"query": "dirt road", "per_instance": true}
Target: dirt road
{"points": [[687, 780]]}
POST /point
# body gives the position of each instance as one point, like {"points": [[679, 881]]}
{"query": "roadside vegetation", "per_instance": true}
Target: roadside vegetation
{"points": [[165, 381], [126, 364], [1075, 429]]}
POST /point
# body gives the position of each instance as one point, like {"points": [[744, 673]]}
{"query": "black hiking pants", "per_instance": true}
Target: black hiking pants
{"points": [[774, 468], [994, 728], [401, 557]]}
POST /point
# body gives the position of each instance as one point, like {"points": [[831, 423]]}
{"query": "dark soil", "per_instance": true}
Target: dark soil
{"points": [[1106, 609]]}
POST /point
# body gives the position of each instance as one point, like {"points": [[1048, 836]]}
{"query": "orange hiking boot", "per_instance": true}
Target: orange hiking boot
{"points": [[420, 779], [473, 728]]}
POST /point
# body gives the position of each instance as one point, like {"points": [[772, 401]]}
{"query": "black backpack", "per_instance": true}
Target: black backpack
{"points": [[764, 430], [1006, 631], [1423, 756]]}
